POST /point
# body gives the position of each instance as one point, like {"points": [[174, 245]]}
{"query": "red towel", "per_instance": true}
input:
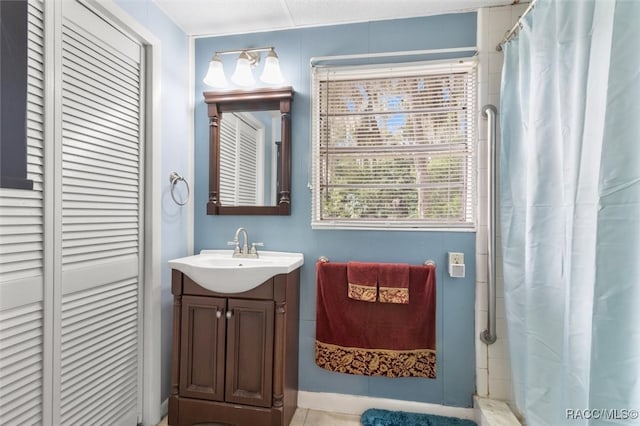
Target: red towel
{"points": [[376, 339], [363, 281], [393, 279]]}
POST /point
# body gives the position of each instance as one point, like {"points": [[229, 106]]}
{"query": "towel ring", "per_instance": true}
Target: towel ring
{"points": [[174, 178]]}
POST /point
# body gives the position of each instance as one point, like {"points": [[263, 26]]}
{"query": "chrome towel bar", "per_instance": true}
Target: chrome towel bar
{"points": [[427, 262]]}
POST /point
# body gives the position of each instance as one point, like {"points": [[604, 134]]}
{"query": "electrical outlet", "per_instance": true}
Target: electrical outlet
{"points": [[456, 258], [456, 265]]}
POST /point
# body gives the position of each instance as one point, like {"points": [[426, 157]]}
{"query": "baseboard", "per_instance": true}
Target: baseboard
{"points": [[356, 404], [164, 408]]}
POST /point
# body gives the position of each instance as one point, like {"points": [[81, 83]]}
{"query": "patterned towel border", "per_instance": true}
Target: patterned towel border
{"points": [[376, 362], [394, 295], [366, 293]]}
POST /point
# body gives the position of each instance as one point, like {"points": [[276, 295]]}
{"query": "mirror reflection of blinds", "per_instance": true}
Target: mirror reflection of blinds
{"points": [[238, 161], [395, 145]]}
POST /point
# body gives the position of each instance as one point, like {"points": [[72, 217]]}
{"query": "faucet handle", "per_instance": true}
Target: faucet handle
{"points": [[253, 247], [236, 244]]}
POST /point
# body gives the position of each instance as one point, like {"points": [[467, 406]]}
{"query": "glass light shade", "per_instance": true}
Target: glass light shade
{"points": [[243, 76], [271, 73], [215, 74]]}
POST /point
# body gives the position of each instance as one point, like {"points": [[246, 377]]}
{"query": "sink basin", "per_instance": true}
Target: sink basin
{"points": [[218, 271]]}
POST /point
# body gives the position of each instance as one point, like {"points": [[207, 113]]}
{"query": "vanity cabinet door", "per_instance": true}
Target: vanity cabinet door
{"points": [[250, 328], [202, 347]]}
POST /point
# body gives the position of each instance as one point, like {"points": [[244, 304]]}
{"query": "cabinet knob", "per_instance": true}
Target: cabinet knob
{"points": [[229, 314], [218, 313]]}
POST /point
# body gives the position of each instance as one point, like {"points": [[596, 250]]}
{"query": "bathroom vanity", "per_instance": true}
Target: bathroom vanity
{"points": [[235, 355]]}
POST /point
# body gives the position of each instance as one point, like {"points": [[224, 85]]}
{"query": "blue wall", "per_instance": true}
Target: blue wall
{"points": [[175, 116], [455, 383]]}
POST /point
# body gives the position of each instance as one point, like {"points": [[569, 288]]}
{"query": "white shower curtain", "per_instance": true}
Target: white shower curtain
{"points": [[570, 211]]}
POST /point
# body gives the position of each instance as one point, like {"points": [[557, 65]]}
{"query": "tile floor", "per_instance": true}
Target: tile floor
{"points": [[304, 417]]}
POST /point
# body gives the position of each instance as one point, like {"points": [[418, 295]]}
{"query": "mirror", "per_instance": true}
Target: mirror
{"points": [[249, 151]]}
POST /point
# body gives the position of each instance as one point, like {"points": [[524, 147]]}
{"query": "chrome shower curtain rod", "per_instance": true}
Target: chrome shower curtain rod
{"points": [[514, 30]]}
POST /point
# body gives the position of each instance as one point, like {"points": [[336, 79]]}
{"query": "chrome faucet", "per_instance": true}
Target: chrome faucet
{"points": [[244, 250]]}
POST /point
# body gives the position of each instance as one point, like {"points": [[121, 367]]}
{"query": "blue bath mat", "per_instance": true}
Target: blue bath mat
{"points": [[375, 417]]}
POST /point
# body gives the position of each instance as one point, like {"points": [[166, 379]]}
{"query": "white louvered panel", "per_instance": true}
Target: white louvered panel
{"points": [[21, 365], [247, 152], [21, 231], [239, 155], [101, 221], [100, 153], [99, 353], [21, 258], [228, 172]]}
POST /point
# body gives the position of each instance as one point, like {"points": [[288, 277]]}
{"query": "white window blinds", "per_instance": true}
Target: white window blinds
{"points": [[393, 146]]}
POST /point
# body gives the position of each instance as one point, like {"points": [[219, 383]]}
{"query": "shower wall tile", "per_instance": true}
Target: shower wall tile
{"points": [[500, 389], [481, 306], [494, 83], [482, 362], [517, 11], [482, 183], [482, 383], [493, 368], [499, 349], [482, 148], [483, 71], [499, 306], [482, 270], [501, 22], [481, 247], [496, 60], [494, 99], [483, 91], [482, 214], [500, 369]]}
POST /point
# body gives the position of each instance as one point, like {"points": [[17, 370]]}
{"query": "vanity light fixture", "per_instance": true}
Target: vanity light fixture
{"points": [[243, 74]]}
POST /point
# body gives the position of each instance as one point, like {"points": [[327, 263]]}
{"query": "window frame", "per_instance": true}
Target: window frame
{"points": [[363, 72]]}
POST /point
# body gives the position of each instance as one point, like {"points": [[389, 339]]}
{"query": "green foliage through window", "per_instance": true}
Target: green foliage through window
{"points": [[394, 148]]}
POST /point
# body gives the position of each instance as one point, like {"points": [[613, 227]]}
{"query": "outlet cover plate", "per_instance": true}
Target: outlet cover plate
{"points": [[456, 265]]}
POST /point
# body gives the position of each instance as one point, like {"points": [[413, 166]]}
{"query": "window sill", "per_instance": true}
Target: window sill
{"points": [[391, 227]]}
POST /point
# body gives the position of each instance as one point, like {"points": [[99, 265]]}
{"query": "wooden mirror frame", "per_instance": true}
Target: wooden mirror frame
{"points": [[249, 100]]}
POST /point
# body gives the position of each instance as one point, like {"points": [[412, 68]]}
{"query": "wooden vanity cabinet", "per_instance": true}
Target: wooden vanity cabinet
{"points": [[235, 356]]}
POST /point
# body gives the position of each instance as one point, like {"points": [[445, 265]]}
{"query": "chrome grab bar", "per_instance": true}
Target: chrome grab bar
{"points": [[488, 336]]}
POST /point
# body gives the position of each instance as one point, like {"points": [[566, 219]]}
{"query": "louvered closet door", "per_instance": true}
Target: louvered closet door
{"points": [[249, 166], [21, 258], [240, 161], [101, 210], [228, 158]]}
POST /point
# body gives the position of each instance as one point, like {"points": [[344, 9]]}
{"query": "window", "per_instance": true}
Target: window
{"points": [[241, 154], [393, 146]]}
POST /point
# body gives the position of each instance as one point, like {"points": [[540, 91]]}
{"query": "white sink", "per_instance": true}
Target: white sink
{"points": [[218, 271]]}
